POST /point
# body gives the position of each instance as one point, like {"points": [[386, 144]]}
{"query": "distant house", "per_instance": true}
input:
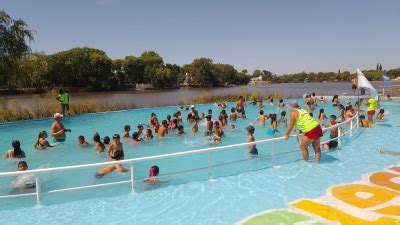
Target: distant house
{"points": [[188, 79], [255, 79]]}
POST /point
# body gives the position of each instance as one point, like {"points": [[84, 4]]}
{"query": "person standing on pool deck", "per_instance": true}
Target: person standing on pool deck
{"points": [[371, 109], [63, 97], [57, 129], [353, 81], [309, 126]]}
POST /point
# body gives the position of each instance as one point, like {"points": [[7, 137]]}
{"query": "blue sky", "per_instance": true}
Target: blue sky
{"points": [[281, 36]]}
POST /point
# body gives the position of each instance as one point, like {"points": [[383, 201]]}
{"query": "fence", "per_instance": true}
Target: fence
{"points": [[351, 122]]}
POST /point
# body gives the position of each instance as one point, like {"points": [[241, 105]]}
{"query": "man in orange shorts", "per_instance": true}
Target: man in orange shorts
{"points": [[307, 125]]}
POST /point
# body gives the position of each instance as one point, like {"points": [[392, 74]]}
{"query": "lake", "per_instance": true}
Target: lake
{"points": [[141, 99]]}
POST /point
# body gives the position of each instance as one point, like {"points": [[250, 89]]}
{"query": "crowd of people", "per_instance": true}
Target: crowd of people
{"points": [[300, 117]]}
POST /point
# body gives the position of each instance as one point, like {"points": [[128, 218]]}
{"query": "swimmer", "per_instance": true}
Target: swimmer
{"points": [[222, 121], [252, 150], [180, 130], [194, 113], [335, 100], [135, 138], [195, 127], [153, 173], [25, 181], [271, 102], [261, 118], [99, 145], [233, 126], [388, 98], [163, 129], [380, 115], [322, 100], [321, 116], [118, 155], [127, 129], [57, 128], [153, 121], [16, 151], [274, 123], [240, 107], [106, 141], [313, 99], [217, 133], [260, 104], [209, 125], [140, 129], [364, 123], [115, 146], [281, 103], [283, 118], [148, 135], [233, 115], [220, 105], [81, 141], [169, 121], [334, 132], [42, 142], [209, 112], [382, 151]]}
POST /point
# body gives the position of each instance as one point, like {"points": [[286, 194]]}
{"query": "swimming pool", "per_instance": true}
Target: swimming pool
{"points": [[189, 198]]}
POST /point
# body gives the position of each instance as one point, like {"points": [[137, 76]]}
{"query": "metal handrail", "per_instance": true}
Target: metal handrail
{"points": [[36, 172]]}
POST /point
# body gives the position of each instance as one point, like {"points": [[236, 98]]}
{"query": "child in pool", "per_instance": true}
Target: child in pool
{"points": [[140, 129], [217, 133], [180, 130], [380, 115], [135, 138], [252, 150], [16, 151], [106, 141], [283, 118], [99, 145], [82, 142], [153, 173], [364, 123], [42, 142], [261, 118], [118, 155], [233, 115], [322, 117], [127, 129], [25, 181], [209, 125], [163, 129], [274, 123], [148, 135]]}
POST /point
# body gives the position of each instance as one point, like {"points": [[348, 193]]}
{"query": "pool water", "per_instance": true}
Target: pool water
{"points": [[187, 198]]}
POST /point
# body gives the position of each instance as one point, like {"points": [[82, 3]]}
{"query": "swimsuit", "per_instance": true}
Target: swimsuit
{"points": [[254, 152]]}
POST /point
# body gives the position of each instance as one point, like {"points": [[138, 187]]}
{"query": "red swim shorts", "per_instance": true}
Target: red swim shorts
{"points": [[371, 113], [315, 133]]}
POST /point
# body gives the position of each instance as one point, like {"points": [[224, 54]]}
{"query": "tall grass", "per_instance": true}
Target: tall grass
{"points": [[46, 106]]}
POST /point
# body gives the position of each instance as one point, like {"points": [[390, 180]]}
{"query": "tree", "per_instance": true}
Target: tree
{"points": [[266, 75], [14, 35], [377, 66], [256, 73], [33, 71], [380, 67], [150, 60], [134, 69], [202, 71], [225, 74]]}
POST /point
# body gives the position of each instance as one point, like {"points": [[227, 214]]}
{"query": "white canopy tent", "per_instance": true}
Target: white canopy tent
{"points": [[364, 83]]}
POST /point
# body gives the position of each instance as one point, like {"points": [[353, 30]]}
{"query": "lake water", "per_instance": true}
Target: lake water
{"points": [[142, 99]]}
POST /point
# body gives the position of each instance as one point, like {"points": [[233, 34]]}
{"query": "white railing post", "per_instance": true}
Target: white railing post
{"points": [[357, 121], [38, 191], [273, 153], [339, 134], [351, 127], [132, 178], [209, 166]]}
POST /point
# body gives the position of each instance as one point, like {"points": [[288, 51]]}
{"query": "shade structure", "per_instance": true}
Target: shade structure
{"points": [[364, 83]]}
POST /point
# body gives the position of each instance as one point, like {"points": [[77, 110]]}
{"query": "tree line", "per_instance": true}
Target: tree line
{"points": [[92, 69]]}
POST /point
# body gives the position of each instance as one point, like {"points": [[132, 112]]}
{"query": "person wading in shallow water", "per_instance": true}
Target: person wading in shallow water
{"points": [[307, 125]]}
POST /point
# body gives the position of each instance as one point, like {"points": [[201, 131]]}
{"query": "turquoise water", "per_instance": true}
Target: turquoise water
{"points": [[187, 198]]}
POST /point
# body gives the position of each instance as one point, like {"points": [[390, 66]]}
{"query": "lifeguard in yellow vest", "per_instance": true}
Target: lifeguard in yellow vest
{"points": [[63, 98], [307, 125], [371, 109]]}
